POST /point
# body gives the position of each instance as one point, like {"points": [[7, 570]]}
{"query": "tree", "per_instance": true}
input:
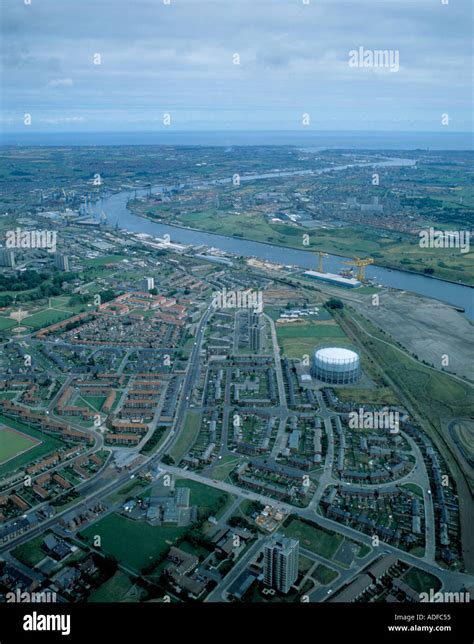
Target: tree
{"points": [[334, 303], [107, 295]]}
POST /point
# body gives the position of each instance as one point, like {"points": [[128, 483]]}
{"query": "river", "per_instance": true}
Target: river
{"points": [[115, 206]]}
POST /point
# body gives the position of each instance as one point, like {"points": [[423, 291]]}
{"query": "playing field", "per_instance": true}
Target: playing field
{"points": [[13, 443], [118, 532]]}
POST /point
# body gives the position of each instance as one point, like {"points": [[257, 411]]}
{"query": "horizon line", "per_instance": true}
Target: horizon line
{"points": [[274, 131]]}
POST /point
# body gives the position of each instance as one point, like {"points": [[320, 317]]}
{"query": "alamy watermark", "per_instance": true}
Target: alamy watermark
{"points": [[445, 597], [24, 597], [384, 419], [238, 299], [19, 238], [40, 622], [432, 238], [375, 58]]}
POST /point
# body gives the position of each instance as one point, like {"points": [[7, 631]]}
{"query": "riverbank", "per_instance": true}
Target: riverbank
{"points": [[115, 205], [386, 265]]}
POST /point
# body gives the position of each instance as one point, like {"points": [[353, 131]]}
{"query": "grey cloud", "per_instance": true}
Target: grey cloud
{"points": [[293, 58]]}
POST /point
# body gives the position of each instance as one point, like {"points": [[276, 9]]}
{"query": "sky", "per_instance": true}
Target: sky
{"points": [[235, 65]]}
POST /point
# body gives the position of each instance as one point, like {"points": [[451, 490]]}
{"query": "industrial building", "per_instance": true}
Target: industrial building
{"points": [[336, 365], [332, 278], [215, 259]]}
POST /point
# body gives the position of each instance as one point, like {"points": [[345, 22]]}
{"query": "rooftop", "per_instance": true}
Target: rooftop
{"points": [[336, 353]]}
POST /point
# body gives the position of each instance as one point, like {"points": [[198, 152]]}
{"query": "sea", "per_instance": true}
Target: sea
{"points": [[355, 140]]}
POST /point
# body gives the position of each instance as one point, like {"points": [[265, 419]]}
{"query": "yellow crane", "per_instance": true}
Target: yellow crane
{"points": [[66, 194], [361, 264], [68, 214], [320, 265]]}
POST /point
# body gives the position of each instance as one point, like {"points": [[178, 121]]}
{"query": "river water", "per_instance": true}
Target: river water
{"points": [[116, 208]]}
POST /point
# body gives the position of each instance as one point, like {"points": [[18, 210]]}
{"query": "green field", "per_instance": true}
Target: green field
{"points": [[299, 339], [31, 552], [304, 564], [95, 269], [416, 489], [62, 303], [209, 500], [363, 550], [421, 581], [8, 395], [13, 443], [187, 437], [40, 317], [378, 396], [94, 402], [462, 432], [45, 318], [322, 542], [45, 445], [310, 330], [36, 320], [6, 323], [224, 467], [118, 533], [324, 574], [116, 589]]}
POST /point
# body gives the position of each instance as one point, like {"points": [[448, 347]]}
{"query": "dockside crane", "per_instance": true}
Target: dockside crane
{"points": [[320, 263], [361, 264]]}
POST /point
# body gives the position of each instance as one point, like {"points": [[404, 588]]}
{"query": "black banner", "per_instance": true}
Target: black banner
{"points": [[161, 622]]}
